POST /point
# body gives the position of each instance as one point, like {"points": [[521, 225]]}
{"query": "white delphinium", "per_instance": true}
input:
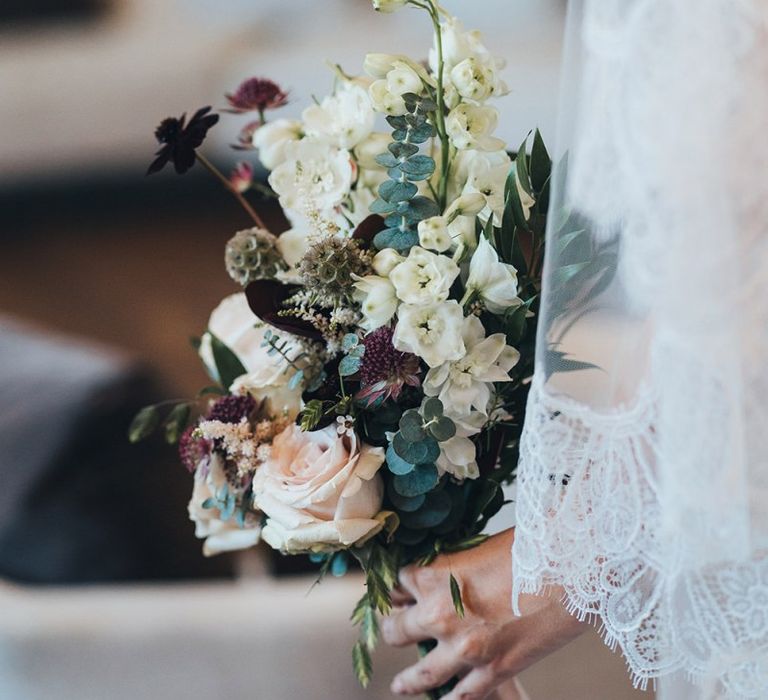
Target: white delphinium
{"points": [[486, 174], [397, 75], [386, 102], [424, 277], [491, 281], [466, 384], [272, 139], [471, 126], [313, 172], [458, 455], [434, 234], [431, 331], [378, 301], [386, 260], [343, 119]]}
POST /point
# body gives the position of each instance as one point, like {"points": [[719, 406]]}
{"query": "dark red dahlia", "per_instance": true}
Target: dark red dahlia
{"points": [[384, 370], [232, 409], [257, 95], [180, 140], [192, 450]]}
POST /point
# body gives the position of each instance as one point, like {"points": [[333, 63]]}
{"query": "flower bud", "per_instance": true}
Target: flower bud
{"points": [[388, 5]]}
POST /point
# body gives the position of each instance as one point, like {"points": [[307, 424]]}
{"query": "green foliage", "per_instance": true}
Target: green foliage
{"points": [[361, 663], [458, 603], [144, 423], [228, 365], [176, 422], [422, 479], [312, 414]]}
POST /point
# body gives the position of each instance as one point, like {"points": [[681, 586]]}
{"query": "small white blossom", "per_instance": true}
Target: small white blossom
{"points": [[402, 79], [491, 280], [470, 204], [473, 79], [434, 235], [487, 175], [345, 425], [424, 277], [458, 455], [386, 260], [378, 300], [385, 101], [471, 126], [388, 5], [431, 331], [344, 119], [466, 384], [272, 139]]}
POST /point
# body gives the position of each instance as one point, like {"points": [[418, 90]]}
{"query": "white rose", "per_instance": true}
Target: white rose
{"points": [[424, 277], [431, 331], [492, 281], [388, 5], [219, 535], [313, 173], [384, 101], [374, 145], [235, 325], [471, 126], [466, 384], [377, 299], [344, 119], [321, 491], [434, 235], [272, 139]]}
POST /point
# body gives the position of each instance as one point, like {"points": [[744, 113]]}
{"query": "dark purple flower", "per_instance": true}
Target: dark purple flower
{"points": [[232, 409], [180, 141], [384, 370], [192, 450], [256, 95]]}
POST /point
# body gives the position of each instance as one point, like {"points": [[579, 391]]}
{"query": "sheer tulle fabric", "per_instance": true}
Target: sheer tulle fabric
{"points": [[643, 483]]}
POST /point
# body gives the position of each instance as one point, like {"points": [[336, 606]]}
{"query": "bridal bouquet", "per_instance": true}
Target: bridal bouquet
{"points": [[370, 379]]}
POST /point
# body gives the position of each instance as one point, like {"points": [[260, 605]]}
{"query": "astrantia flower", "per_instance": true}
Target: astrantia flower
{"points": [[431, 331], [180, 140], [385, 370], [465, 384], [257, 95], [490, 280], [241, 177]]}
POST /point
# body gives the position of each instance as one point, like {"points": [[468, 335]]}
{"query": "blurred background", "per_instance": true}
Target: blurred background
{"points": [[104, 274]]}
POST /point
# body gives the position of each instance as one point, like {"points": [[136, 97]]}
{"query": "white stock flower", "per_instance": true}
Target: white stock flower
{"points": [[473, 79], [424, 277], [465, 384], [471, 126], [431, 331], [344, 119], [434, 235], [388, 5], [272, 139], [386, 260], [313, 173], [219, 535], [378, 300], [384, 101], [492, 281], [321, 491]]}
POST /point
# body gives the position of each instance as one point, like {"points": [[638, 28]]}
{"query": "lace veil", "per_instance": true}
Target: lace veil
{"points": [[643, 482]]}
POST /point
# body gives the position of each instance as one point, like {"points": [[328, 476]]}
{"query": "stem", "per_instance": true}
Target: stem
{"points": [[445, 164], [211, 168]]}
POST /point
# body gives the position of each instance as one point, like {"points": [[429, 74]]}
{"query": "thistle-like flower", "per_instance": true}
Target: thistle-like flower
{"points": [[329, 269], [192, 450], [256, 95], [384, 370], [252, 255]]}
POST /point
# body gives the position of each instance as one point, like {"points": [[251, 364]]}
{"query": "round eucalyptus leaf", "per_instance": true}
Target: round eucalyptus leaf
{"points": [[436, 508], [412, 426], [396, 464], [420, 481], [404, 504], [442, 429], [433, 408], [410, 537]]}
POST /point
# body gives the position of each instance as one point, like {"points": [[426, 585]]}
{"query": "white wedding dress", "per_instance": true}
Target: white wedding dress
{"points": [[643, 483]]}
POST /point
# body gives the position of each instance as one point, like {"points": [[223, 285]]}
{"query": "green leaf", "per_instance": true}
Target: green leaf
{"points": [[349, 341], [465, 544], [521, 167], [387, 160], [144, 423], [228, 365], [433, 408], [566, 239], [436, 508], [369, 629], [396, 464], [359, 612], [540, 163], [380, 206], [514, 203], [402, 150], [176, 422], [361, 662], [566, 273], [401, 241], [395, 191], [418, 165], [421, 480], [312, 414], [458, 604], [442, 429], [349, 365], [405, 504], [515, 324], [424, 451], [412, 426]]}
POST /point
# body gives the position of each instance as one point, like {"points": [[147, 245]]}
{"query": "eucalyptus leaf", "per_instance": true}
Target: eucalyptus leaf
{"points": [[434, 510], [433, 408], [401, 241], [349, 341], [420, 481], [349, 365], [412, 426], [402, 150], [405, 503], [442, 429], [394, 191], [387, 160], [381, 206], [396, 464], [418, 165]]}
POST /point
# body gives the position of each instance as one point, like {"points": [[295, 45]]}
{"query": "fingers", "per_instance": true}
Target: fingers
{"points": [[401, 598], [403, 627], [478, 684], [435, 669], [407, 581]]}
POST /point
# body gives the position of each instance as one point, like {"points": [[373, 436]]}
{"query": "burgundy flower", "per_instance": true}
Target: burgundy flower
{"points": [[256, 95], [241, 178], [232, 409], [192, 450], [180, 141], [384, 370], [245, 137]]}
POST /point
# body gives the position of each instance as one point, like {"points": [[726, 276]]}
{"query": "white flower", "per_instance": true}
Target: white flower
{"points": [[526, 200], [402, 79], [378, 65], [434, 235], [273, 138], [423, 277], [473, 79], [490, 280], [367, 150], [377, 299], [465, 384], [457, 45], [321, 491], [344, 119], [345, 425], [386, 260], [235, 325], [431, 331], [458, 455], [384, 101], [388, 5], [219, 535], [313, 173], [471, 126], [470, 204], [487, 175]]}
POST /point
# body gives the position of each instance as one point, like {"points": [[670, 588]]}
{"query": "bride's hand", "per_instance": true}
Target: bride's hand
{"points": [[489, 645]]}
